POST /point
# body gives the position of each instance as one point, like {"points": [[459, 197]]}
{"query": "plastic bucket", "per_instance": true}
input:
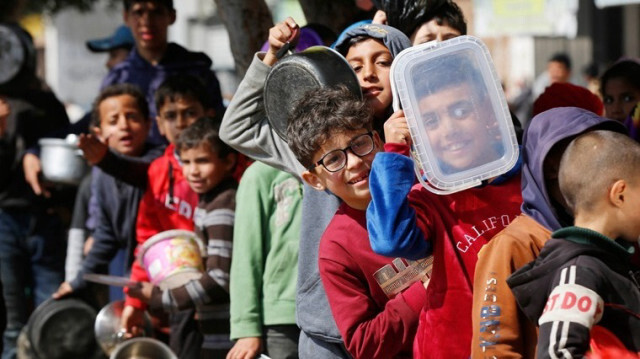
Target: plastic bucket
{"points": [[172, 258]]}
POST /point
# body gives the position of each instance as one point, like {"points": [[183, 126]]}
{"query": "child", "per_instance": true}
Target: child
{"points": [[120, 117], [245, 127], [332, 136], [428, 21], [583, 279], [153, 58], [207, 165], [406, 220], [169, 202], [264, 267], [620, 89], [499, 329]]}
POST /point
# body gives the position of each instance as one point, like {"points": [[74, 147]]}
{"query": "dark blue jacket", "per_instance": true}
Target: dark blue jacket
{"points": [[177, 60], [116, 210]]}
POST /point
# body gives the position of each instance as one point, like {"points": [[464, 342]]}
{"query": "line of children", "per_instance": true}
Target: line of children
{"points": [[582, 288], [500, 329], [246, 128], [169, 203], [207, 165]]}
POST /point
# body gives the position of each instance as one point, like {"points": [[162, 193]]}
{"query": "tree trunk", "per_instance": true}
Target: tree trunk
{"points": [[335, 14], [248, 23]]}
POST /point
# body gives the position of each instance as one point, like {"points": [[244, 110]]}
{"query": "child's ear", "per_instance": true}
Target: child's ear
{"points": [[617, 193], [230, 162], [313, 180]]}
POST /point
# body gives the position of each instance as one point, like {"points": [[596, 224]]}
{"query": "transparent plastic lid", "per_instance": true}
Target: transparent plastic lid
{"points": [[457, 113]]}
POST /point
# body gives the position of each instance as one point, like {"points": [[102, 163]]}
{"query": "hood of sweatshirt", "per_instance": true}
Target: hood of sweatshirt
{"points": [[545, 130]]}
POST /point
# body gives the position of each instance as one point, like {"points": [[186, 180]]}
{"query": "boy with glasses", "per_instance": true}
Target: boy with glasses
{"points": [[331, 135]]}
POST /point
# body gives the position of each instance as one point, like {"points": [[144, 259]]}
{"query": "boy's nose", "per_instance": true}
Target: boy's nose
{"points": [[353, 160], [369, 72]]}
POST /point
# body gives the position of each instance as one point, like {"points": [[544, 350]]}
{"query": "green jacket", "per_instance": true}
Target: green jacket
{"points": [[264, 266]]}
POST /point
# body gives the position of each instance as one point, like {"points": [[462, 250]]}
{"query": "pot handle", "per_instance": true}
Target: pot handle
{"points": [[288, 47]]}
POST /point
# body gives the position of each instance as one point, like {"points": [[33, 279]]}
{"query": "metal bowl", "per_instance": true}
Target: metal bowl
{"points": [[142, 348], [108, 326], [62, 161]]}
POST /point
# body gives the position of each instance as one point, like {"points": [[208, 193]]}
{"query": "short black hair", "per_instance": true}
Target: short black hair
{"points": [[409, 16], [204, 131], [450, 71], [166, 3], [119, 90], [177, 86], [322, 113], [629, 70], [592, 163], [562, 58]]}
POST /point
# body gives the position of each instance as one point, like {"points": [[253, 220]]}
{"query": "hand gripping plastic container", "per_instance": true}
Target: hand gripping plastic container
{"points": [[460, 125], [172, 258]]}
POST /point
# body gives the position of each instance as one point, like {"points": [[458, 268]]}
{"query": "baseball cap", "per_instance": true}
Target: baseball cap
{"points": [[121, 38]]}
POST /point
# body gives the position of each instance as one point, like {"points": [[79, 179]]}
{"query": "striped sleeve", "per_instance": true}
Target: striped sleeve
{"points": [[215, 225], [571, 310]]}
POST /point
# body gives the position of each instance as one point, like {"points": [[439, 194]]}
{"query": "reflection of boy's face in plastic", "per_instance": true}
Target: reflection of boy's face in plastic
{"points": [[458, 136]]}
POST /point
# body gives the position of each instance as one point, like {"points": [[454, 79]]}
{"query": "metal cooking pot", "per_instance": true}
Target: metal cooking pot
{"points": [[142, 348], [294, 75], [59, 329], [108, 326], [62, 161]]}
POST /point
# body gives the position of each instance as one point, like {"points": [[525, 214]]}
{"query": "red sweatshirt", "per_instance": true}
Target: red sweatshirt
{"points": [[371, 324], [456, 226], [168, 203]]}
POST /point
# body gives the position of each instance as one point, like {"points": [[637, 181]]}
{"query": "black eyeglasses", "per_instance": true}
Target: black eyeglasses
{"points": [[335, 160]]}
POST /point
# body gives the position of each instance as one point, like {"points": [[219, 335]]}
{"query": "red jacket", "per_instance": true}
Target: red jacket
{"points": [[168, 203]]}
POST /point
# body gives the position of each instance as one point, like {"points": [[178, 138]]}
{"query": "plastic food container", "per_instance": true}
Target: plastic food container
{"points": [[457, 113], [172, 258]]}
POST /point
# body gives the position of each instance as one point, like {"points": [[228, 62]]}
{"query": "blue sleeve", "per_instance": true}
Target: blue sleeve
{"points": [[391, 221]]}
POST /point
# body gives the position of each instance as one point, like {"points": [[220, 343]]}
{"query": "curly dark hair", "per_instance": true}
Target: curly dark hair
{"points": [[322, 113], [408, 16], [166, 3], [118, 90]]}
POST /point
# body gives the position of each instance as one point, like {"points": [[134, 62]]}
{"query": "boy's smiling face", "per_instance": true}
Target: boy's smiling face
{"points": [[371, 61], [204, 169], [351, 183], [122, 124], [174, 116], [459, 136]]}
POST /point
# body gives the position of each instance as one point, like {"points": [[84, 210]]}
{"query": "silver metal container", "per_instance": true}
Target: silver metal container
{"points": [[62, 161], [142, 348]]}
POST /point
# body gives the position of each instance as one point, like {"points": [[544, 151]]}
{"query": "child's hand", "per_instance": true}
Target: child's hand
{"points": [[92, 148], [63, 291], [396, 129], [132, 321], [32, 169], [143, 292], [279, 34], [246, 348], [379, 18]]}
